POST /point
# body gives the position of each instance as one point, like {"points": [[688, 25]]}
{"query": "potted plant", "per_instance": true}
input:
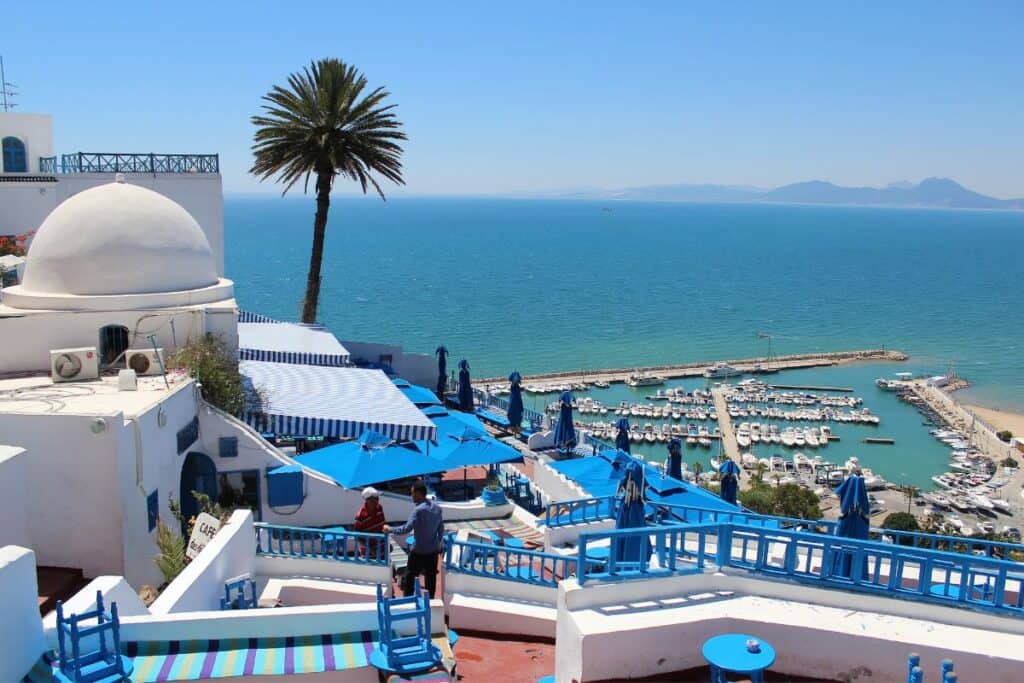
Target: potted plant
{"points": [[493, 493]]}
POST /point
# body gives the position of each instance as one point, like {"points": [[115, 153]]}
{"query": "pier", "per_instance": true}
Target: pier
{"points": [[732, 449], [745, 365], [801, 387]]}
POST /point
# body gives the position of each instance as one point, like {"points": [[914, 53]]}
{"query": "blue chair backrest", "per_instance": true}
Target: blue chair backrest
{"points": [[235, 596], [105, 661]]}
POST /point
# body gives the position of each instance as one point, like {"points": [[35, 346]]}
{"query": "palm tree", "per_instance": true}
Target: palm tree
{"points": [[761, 469], [324, 123]]}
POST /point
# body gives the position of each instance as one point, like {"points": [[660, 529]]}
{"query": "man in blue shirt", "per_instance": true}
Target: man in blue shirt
{"points": [[427, 525]]}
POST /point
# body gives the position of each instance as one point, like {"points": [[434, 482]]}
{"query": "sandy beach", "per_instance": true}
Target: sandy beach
{"points": [[1000, 419]]}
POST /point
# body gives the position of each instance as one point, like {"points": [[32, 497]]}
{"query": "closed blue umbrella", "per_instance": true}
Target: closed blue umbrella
{"points": [[515, 401], [675, 458], [631, 515], [730, 473], [442, 370], [622, 435], [854, 518], [565, 430], [465, 388]]}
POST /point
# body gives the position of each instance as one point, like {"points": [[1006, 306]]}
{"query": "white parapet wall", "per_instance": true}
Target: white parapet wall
{"points": [[14, 496], [268, 566], [477, 603], [231, 553], [820, 633], [21, 631], [114, 589]]}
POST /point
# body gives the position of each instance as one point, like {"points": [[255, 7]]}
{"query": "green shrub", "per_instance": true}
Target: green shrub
{"points": [[171, 560], [208, 361], [1005, 435]]}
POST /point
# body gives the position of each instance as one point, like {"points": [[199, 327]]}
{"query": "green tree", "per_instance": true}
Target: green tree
{"points": [[209, 362], [793, 500], [901, 521], [1005, 435], [760, 470], [171, 560], [910, 493], [759, 498], [1008, 462], [326, 124]]}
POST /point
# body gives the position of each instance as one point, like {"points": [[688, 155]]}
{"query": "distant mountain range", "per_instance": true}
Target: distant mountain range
{"points": [[930, 193]]}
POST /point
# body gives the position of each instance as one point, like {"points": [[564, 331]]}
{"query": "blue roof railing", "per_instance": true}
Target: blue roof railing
{"points": [[48, 164], [507, 563], [335, 544], [890, 570], [584, 510], [104, 162]]}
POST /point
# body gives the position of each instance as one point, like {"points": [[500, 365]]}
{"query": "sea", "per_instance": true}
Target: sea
{"points": [[559, 285]]}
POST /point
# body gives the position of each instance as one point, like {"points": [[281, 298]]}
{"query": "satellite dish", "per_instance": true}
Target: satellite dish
{"points": [[67, 365], [139, 362]]}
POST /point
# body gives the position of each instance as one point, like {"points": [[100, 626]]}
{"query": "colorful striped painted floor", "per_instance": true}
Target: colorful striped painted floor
{"points": [[205, 659]]}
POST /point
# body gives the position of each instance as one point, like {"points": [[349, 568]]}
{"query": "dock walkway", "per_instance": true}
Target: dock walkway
{"points": [[791, 362], [732, 449]]}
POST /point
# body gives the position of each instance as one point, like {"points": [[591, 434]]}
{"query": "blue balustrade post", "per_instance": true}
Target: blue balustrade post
{"points": [[913, 662], [723, 548], [946, 668], [950, 677], [916, 675], [581, 559]]}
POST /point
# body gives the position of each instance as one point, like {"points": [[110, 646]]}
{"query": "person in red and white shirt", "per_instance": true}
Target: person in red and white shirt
{"points": [[370, 519]]}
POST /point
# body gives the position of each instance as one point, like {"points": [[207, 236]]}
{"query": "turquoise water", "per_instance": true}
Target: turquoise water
{"points": [[913, 459], [556, 285]]}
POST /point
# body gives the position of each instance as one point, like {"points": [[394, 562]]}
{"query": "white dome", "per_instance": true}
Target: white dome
{"points": [[118, 239]]}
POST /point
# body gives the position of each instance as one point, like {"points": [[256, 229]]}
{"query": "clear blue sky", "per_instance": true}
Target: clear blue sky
{"points": [[523, 96]]}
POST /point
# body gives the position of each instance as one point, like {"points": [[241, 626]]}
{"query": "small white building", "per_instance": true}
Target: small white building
{"points": [[34, 180]]}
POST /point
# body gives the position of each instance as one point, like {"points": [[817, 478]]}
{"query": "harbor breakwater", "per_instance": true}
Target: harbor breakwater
{"points": [[696, 369]]}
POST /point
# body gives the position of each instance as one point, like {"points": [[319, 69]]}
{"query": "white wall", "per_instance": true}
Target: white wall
{"points": [[21, 631], [231, 553], [269, 566], [73, 510], [25, 205], [14, 495], [417, 368], [37, 333], [35, 130], [148, 461], [201, 194]]}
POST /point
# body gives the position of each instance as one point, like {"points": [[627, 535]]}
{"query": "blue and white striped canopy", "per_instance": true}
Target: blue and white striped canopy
{"points": [[250, 317], [307, 400], [278, 342]]}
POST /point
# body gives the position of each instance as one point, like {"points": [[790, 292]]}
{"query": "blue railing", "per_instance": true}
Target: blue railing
{"points": [[48, 164], [101, 162], [339, 545], [630, 554], [870, 566], [580, 511], [506, 563], [952, 544], [831, 561], [568, 513]]}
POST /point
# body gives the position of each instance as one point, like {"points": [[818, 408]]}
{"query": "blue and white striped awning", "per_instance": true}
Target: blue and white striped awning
{"points": [[307, 400], [279, 342], [250, 317]]}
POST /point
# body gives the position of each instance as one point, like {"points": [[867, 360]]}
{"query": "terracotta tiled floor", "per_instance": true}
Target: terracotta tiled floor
{"points": [[486, 660]]}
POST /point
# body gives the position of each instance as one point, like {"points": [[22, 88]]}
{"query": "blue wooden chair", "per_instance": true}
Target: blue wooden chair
{"points": [[235, 596], [105, 664], [404, 654]]}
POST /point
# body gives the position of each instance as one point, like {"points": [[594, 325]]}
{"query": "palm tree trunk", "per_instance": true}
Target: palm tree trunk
{"points": [[316, 255]]}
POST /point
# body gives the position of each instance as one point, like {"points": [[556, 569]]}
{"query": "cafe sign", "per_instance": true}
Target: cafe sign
{"points": [[205, 528]]}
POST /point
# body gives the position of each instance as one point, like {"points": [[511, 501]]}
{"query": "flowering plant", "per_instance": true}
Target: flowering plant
{"points": [[14, 245]]}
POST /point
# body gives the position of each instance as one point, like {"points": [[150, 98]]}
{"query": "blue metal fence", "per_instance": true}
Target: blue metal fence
{"points": [[567, 513], [48, 164], [103, 162], [305, 542], [580, 511], [831, 561], [506, 563]]}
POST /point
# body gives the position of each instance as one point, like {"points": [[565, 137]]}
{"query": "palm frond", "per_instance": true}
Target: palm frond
{"points": [[325, 121]]}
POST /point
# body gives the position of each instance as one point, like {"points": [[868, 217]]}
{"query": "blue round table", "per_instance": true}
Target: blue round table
{"points": [[979, 591], [729, 653]]}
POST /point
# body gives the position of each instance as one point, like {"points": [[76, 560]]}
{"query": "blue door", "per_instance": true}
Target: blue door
{"points": [[198, 473], [14, 156]]}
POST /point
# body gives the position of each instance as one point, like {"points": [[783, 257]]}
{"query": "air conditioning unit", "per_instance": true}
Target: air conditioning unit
{"points": [[74, 365], [144, 361]]}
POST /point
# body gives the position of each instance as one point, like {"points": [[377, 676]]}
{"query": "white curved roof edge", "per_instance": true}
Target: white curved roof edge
{"points": [[20, 298]]}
